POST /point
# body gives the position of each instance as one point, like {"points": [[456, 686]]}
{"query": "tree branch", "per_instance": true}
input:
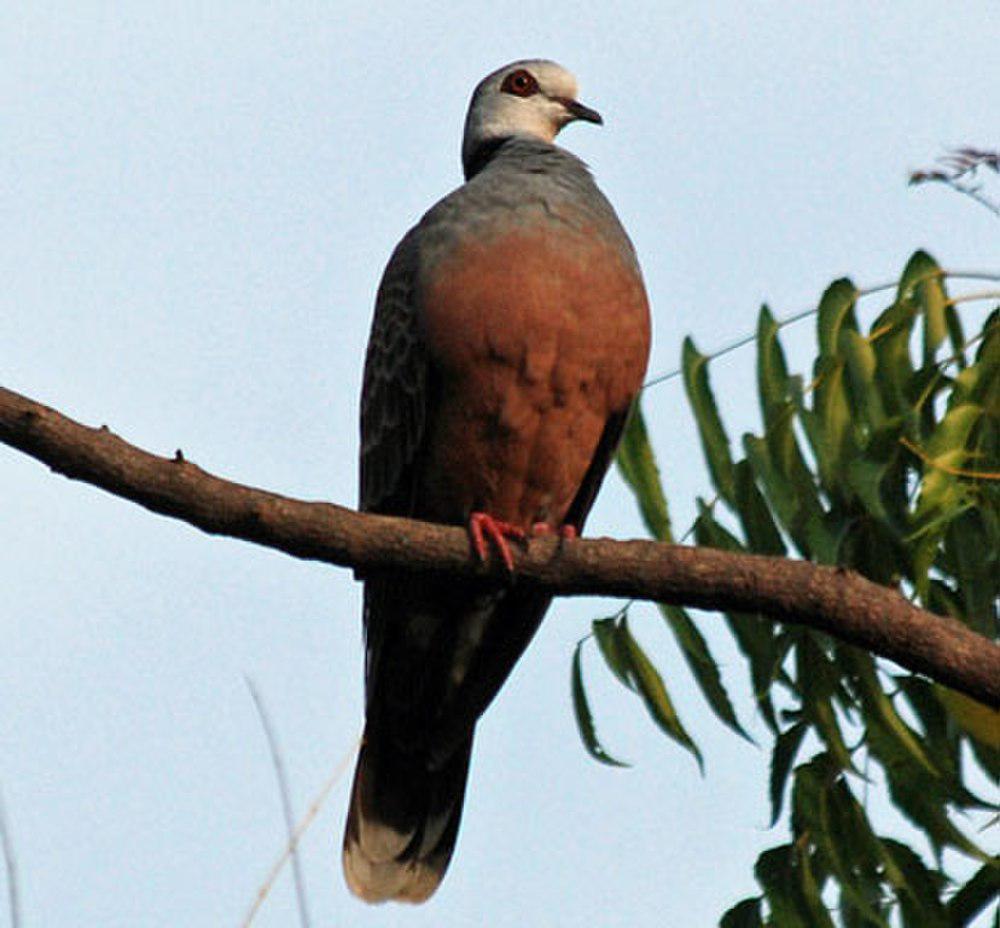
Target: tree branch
{"points": [[831, 600]]}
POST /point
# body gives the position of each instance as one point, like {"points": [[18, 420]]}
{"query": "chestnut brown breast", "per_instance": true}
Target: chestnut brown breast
{"points": [[539, 332]]}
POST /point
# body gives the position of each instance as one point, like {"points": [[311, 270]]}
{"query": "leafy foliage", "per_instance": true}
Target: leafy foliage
{"points": [[885, 461]]}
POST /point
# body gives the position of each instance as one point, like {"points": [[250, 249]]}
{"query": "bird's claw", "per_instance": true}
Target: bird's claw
{"points": [[566, 531], [483, 527]]}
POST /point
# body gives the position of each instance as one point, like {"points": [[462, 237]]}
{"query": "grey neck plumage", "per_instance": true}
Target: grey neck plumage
{"points": [[516, 169]]}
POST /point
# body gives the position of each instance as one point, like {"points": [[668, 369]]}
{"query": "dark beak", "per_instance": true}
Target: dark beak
{"points": [[577, 110]]}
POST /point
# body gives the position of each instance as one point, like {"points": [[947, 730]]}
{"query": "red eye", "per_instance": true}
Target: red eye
{"points": [[520, 83]]}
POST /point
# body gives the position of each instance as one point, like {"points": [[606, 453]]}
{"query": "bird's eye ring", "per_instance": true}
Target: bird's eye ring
{"points": [[520, 83]]}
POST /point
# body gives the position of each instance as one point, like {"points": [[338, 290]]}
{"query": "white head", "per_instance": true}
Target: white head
{"points": [[533, 99]]}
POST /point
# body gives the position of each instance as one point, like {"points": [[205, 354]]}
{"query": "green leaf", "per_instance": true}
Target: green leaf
{"points": [[979, 720], [794, 503], [786, 746], [823, 809], [817, 677], [939, 735], [702, 665], [871, 470], [987, 758], [919, 269], [990, 337], [890, 340], [780, 498], [944, 495], [772, 371], [946, 451], [862, 363], [828, 424], [856, 855], [714, 442], [836, 310], [785, 469], [755, 517], [980, 382], [955, 334], [774, 872], [637, 465], [919, 896], [610, 644], [647, 682], [879, 706], [754, 634], [584, 718], [933, 302], [921, 798], [972, 546], [745, 914], [923, 282], [974, 896], [788, 460], [791, 891]]}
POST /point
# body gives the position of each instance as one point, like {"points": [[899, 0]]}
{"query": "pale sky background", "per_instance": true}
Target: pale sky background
{"points": [[196, 203]]}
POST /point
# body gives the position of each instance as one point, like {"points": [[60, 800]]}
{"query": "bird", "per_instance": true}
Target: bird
{"points": [[510, 338]]}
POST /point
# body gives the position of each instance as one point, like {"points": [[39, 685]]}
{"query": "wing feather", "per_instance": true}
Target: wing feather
{"points": [[394, 397]]}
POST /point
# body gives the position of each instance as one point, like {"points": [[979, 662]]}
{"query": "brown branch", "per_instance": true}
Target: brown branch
{"points": [[832, 600]]}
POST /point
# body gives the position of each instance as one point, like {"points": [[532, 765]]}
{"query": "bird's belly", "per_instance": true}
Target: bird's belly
{"points": [[537, 341]]}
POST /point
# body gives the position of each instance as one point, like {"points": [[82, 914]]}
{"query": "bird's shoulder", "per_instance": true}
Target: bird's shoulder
{"points": [[524, 181]]}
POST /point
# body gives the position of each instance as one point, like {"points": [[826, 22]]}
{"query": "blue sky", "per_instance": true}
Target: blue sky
{"points": [[197, 204]]}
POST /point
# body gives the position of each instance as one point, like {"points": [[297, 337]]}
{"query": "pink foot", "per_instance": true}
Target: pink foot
{"points": [[483, 527]]}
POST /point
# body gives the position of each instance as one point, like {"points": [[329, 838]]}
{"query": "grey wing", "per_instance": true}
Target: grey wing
{"points": [[394, 392], [604, 454], [404, 816]]}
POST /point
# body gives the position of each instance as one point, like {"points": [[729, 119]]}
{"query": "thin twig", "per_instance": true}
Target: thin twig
{"points": [[10, 863], [947, 468], [286, 801], [973, 193], [957, 168], [975, 297], [299, 831], [745, 340]]}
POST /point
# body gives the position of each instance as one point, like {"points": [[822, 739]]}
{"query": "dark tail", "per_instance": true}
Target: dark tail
{"points": [[403, 820]]}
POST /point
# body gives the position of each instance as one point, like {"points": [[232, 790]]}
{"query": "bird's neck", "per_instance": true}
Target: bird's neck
{"points": [[522, 151], [480, 155]]}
